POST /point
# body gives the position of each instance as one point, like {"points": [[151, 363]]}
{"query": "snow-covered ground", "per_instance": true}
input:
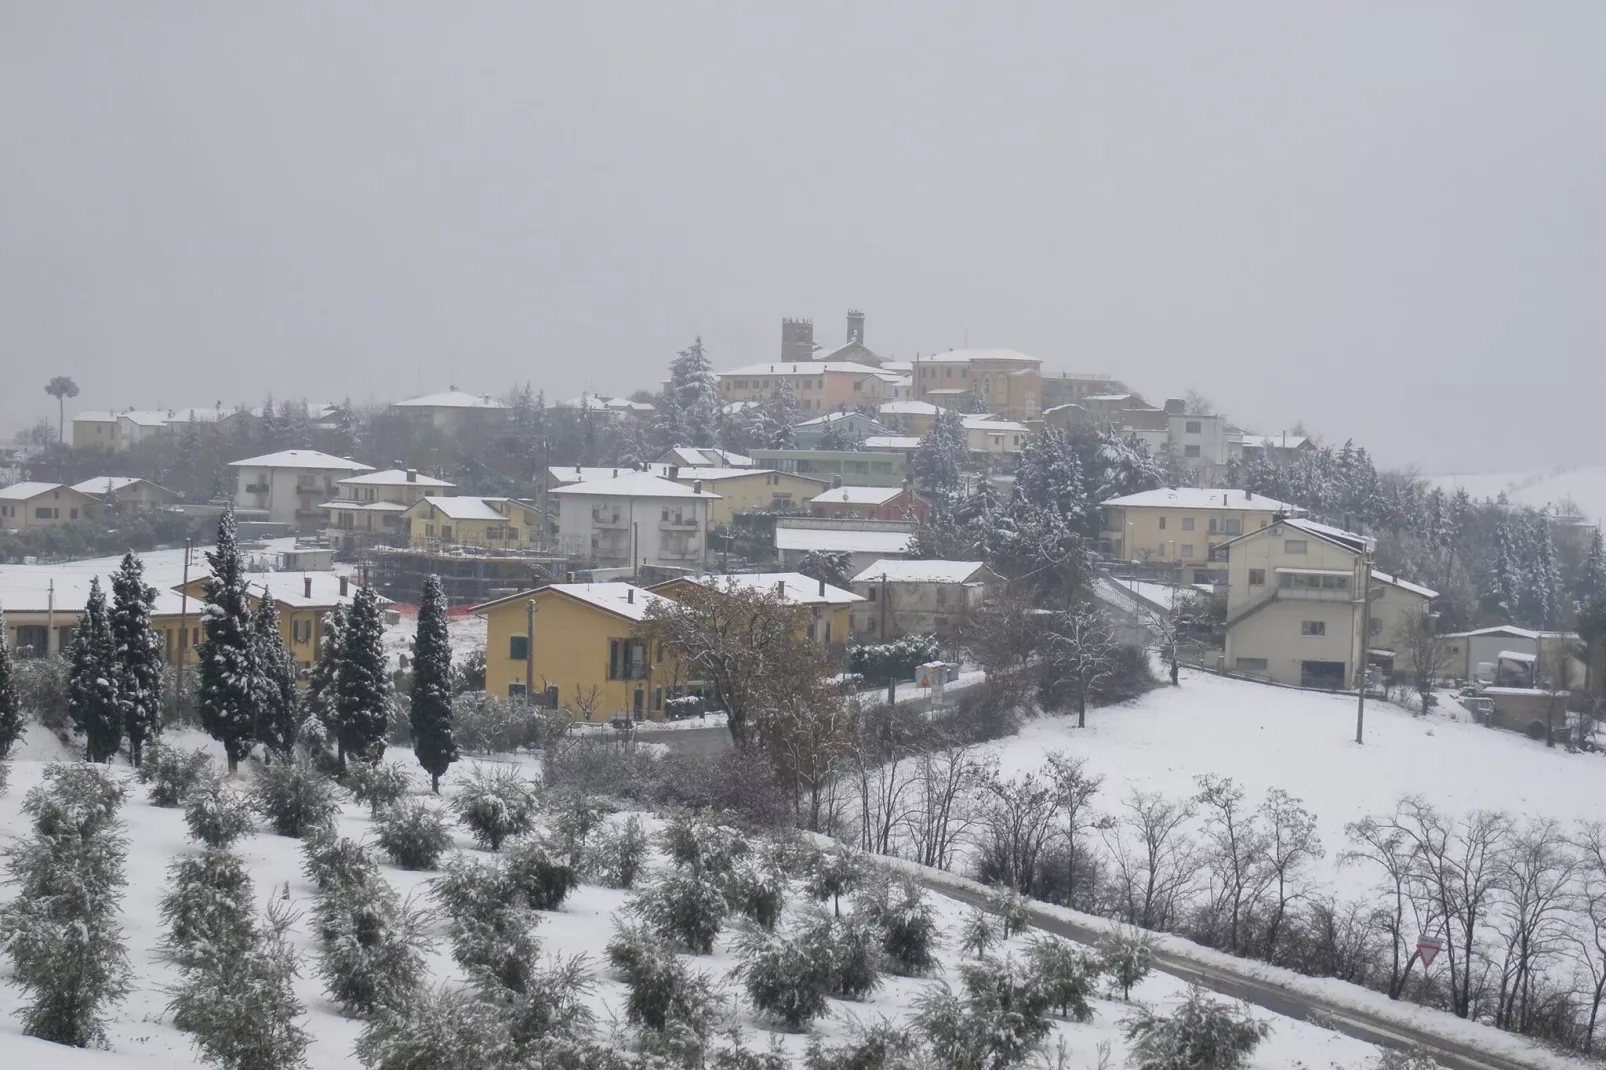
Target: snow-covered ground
{"points": [[1585, 487], [142, 1034], [465, 631], [1304, 742]]}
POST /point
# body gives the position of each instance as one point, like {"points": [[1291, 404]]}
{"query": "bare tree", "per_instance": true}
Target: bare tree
{"points": [[1075, 788], [946, 782], [1404, 914], [1537, 882], [885, 771], [1080, 649], [809, 738], [1153, 857], [1292, 845], [1237, 853], [1589, 930], [1170, 628], [1002, 637], [1424, 656], [1017, 819]]}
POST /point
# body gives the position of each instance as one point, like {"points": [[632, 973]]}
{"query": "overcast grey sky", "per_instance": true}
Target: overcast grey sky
{"points": [[1384, 219]]}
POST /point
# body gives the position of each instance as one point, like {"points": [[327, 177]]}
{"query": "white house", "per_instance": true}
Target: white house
{"points": [[292, 485], [453, 410], [633, 519], [864, 541], [927, 597]]}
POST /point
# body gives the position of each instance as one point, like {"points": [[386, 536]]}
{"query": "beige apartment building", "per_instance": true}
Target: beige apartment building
{"points": [[817, 386], [1294, 612], [1011, 383], [1183, 526], [42, 505]]}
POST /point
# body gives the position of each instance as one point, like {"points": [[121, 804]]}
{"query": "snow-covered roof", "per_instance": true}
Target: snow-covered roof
{"points": [[21, 492], [145, 417], [833, 417], [603, 402], [1510, 630], [1202, 498], [717, 474], [1406, 585], [1347, 539], [897, 366], [462, 508], [621, 599], [705, 457], [1517, 655], [990, 423], [1284, 441], [890, 442], [451, 399], [394, 477], [838, 540], [802, 367], [967, 355], [110, 484], [1106, 397], [629, 484], [856, 496], [909, 408], [311, 459], [794, 588], [366, 507], [213, 415], [96, 416], [897, 570], [304, 590]]}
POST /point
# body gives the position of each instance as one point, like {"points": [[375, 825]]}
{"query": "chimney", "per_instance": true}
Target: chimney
{"points": [[780, 588], [797, 340], [822, 588], [630, 595], [855, 326], [697, 486], [616, 473], [345, 585], [306, 587], [577, 469], [1249, 495], [674, 472], [412, 475]]}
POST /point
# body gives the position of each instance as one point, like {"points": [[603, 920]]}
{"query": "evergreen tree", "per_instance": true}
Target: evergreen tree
{"points": [[138, 656], [92, 680], [431, 713], [695, 393], [278, 706], [669, 422], [841, 434], [974, 404], [1592, 580], [778, 416], [941, 536], [11, 723], [631, 446], [228, 675], [323, 682], [943, 454], [1543, 579], [1050, 476], [363, 702], [832, 566], [1505, 581]]}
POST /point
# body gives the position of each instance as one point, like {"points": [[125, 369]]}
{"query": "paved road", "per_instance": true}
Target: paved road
{"points": [[1451, 1054]]}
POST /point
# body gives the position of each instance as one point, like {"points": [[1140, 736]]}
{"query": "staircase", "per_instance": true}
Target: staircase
{"points": [[1254, 605]]}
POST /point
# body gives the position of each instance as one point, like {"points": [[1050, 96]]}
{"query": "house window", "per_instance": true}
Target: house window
{"points": [[1191, 427], [1313, 627], [1190, 451], [665, 517], [1185, 550], [73, 515], [1374, 626], [515, 691], [44, 513], [1232, 526], [870, 595], [1294, 546], [518, 648], [1257, 577], [1162, 523], [1250, 664], [627, 659], [1187, 523]]}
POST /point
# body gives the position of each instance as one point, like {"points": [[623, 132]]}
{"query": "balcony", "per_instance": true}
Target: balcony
{"points": [[609, 520]]}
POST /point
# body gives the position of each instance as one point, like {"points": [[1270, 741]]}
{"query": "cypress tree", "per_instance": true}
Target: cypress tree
{"points": [[323, 682], [11, 725], [228, 674], [431, 712], [92, 680], [362, 708], [279, 703], [139, 656]]}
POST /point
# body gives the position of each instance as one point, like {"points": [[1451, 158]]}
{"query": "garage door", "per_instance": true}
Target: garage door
{"points": [[1326, 674]]}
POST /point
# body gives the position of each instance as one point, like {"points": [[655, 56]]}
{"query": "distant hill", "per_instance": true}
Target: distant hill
{"points": [[1584, 487]]}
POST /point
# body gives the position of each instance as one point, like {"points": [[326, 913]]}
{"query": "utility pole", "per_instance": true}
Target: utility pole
{"points": [[892, 683], [183, 633], [529, 650], [1365, 638]]}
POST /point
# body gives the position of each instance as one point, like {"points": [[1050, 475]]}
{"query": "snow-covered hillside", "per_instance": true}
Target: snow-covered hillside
{"points": [[1304, 742], [142, 1034], [1585, 487]]}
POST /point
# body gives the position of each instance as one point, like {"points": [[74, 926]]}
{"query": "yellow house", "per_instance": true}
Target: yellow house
{"points": [[24, 506], [1183, 526], [127, 492], [303, 597], [493, 523], [586, 649], [828, 607], [370, 507], [748, 490]]}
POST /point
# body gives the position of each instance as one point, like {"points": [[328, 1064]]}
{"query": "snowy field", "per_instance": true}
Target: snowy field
{"points": [[142, 1034], [1585, 487], [1304, 742]]}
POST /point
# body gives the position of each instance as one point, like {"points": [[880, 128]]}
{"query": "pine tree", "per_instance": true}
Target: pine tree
{"points": [[974, 404], [278, 707], [431, 713], [11, 722], [138, 656], [695, 393], [92, 680], [1505, 581], [1050, 476], [362, 707], [1543, 579], [1592, 580], [323, 682], [943, 453], [228, 675], [778, 416]]}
